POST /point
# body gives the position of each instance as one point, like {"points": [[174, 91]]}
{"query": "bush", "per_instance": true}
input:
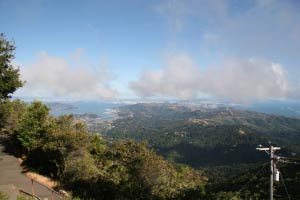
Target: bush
{"points": [[3, 196]]}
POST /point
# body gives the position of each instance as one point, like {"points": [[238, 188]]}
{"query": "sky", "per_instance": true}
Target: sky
{"points": [[165, 49]]}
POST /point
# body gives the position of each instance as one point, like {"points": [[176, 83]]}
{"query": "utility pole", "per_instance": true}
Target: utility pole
{"points": [[271, 152], [272, 172]]}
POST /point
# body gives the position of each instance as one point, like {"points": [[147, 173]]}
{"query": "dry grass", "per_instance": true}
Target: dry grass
{"points": [[41, 179]]}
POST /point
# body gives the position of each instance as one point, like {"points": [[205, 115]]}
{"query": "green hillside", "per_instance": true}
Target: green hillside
{"points": [[221, 142], [205, 137], [254, 183]]}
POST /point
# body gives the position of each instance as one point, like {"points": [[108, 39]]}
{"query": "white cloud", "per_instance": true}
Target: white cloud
{"points": [[242, 29], [178, 77], [238, 79], [246, 79], [50, 76]]}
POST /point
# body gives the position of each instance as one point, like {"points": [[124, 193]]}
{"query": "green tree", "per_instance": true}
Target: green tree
{"points": [[9, 76], [64, 137], [33, 125], [149, 176], [13, 112]]}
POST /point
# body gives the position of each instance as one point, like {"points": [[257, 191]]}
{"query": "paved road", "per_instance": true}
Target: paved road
{"points": [[12, 179]]}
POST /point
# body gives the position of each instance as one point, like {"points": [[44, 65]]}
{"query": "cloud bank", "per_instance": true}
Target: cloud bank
{"points": [[237, 79], [179, 77], [51, 76], [244, 79], [248, 39]]}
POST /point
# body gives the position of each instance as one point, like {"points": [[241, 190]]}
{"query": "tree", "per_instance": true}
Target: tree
{"points": [[149, 176], [9, 76], [33, 125], [64, 137], [12, 114]]}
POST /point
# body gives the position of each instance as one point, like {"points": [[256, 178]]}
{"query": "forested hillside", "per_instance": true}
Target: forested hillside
{"points": [[254, 183], [205, 137], [221, 142], [86, 164]]}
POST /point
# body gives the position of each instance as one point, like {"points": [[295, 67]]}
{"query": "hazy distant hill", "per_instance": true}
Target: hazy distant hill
{"points": [[204, 136]]}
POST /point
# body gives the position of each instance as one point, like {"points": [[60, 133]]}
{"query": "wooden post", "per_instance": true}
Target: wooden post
{"points": [[32, 189]]}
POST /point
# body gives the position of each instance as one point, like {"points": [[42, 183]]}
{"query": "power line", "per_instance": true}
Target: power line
{"points": [[290, 160], [285, 188], [244, 186]]}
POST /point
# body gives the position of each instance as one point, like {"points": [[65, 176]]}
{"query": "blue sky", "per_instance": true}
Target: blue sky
{"points": [[183, 49]]}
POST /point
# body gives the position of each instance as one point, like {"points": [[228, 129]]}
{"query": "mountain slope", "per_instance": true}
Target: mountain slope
{"points": [[205, 137]]}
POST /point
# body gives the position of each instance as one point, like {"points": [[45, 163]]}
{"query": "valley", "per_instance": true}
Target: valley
{"points": [[219, 141]]}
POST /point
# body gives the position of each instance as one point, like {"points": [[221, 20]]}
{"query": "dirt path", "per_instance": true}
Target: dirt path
{"points": [[12, 179]]}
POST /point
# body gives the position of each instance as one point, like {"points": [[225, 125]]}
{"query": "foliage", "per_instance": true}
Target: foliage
{"points": [[9, 76], [219, 141], [3, 196], [254, 183], [13, 111], [80, 166], [89, 166], [33, 125], [159, 178], [62, 140], [24, 198], [221, 136], [128, 170]]}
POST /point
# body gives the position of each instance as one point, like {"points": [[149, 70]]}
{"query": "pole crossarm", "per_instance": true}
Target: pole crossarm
{"points": [[267, 149], [262, 149]]}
